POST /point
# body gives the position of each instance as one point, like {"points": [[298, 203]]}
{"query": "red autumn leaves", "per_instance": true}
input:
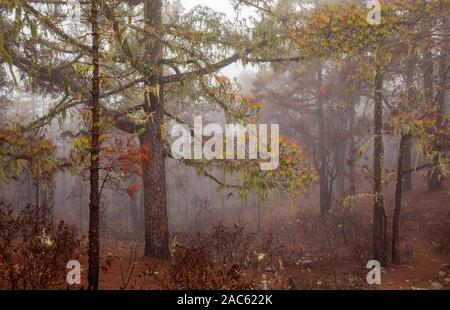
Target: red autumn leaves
{"points": [[123, 156]]}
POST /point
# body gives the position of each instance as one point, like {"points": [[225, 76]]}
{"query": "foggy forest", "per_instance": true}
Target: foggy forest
{"points": [[224, 145]]}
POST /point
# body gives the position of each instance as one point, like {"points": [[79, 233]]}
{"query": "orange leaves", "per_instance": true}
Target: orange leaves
{"points": [[121, 158], [320, 19], [431, 121], [138, 171], [252, 103], [132, 189], [141, 157], [125, 157]]}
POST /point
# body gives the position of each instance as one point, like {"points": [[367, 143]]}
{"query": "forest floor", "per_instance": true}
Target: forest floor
{"points": [[426, 235], [425, 253]]}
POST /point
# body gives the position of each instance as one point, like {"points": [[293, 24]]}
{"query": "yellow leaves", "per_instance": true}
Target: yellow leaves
{"points": [[222, 80], [164, 131], [337, 29], [17, 151], [260, 256], [45, 239], [82, 143], [251, 103], [293, 176], [140, 117], [150, 29], [222, 91], [314, 178], [82, 68], [152, 90], [106, 82]]}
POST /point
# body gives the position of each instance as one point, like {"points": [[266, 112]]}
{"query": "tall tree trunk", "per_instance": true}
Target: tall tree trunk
{"points": [[141, 211], [154, 174], [80, 202], [352, 151], [398, 199], [407, 160], [50, 202], [379, 214], [444, 69], [340, 155], [37, 196], [29, 188], [94, 198], [433, 177], [407, 165], [325, 201], [62, 196]]}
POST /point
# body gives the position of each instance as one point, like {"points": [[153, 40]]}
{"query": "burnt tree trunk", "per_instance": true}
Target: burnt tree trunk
{"points": [[379, 213], [154, 172], [94, 198], [398, 199]]}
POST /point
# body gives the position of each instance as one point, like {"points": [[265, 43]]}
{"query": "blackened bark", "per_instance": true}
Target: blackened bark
{"points": [[398, 199], [154, 172], [94, 198], [407, 160], [379, 214]]}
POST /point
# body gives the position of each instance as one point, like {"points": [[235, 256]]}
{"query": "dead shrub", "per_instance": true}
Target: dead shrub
{"points": [[355, 233], [33, 251], [215, 261], [342, 233], [230, 245]]}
